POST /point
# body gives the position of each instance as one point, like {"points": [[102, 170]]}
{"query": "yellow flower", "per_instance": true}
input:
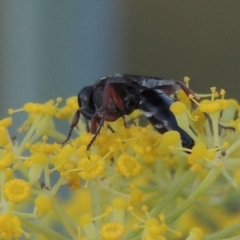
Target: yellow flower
{"points": [[125, 168], [68, 110], [6, 158], [112, 231], [10, 227], [17, 190], [128, 166], [91, 168], [43, 204]]}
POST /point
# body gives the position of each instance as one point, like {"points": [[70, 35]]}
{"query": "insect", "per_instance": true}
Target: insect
{"points": [[115, 96]]}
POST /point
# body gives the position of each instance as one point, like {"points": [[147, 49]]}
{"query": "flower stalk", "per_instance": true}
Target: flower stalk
{"points": [[210, 178]]}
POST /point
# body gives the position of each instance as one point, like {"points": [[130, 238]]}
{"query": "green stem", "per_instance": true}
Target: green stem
{"points": [[56, 187], [94, 191], [232, 148], [210, 178], [27, 138], [25, 215], [37, 228], [214, 117], [232, 238], [47, 176], [65, 219], [132, 235], [165, 201], [224, 233], [172, 193]]}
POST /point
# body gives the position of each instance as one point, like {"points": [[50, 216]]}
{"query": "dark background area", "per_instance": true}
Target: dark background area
{"points": [[53, 48]]}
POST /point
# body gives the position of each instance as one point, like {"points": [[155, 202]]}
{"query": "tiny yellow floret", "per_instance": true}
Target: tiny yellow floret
{"points": [[6, 122], [91, 168], [178, 107], [38, 158], [6, 159], [210, 106], [112, 231], [155, 228], [171, 138], [43, 203], [119, 202], [199, 151], [10, 227], [136, 195], [128, 166], [17, 190]]}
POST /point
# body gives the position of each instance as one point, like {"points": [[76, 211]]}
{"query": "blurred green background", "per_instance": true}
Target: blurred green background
{"points": [[53, 48]]}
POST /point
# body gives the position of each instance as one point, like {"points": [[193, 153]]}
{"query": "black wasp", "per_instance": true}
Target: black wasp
{"points": [[118, 95]]}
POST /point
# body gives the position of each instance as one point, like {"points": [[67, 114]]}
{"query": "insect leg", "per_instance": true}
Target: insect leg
{"points": [[187, 90], [125, 122], [110, 128], [87, 125], [94, 124], [73, 125]]}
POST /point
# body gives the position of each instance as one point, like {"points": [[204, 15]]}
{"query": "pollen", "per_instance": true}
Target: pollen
{"points": [[91, 168], [17, 190], [10, 227], [128, 166], [112, 231]]}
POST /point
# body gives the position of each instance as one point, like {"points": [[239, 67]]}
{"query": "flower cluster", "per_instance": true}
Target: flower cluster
{"points": [[133, 183]]}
